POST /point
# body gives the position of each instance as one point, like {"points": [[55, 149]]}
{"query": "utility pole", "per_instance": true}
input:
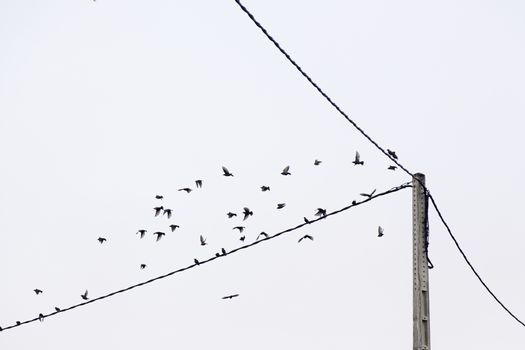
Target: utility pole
{"points": [[420, 308]]}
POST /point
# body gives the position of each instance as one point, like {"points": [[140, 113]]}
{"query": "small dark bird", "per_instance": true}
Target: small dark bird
{"points": [[306, 220], [392, 154], [223, 251], [142, 233], [262, 234], [242, 238], [38, 291], [320, 212], [392, 167], [85, 295], [173, 227], [57, 309], [203, 240], [354, 202], [1, 329], [226, 172], [18, 323], [196, 261], [168, 212], [159, 235], [198, 183], [265, 188], [317, 162], [286, 171], [380, 231], [142, 266], [357, 160], [41, 317], [247, 212], [305, 237], [185, 189], [159, 197], [217, 255], [368, 195], [158, 210], [231, 215], [240, 228], [281, 205], [101, 240], [231, 296]]}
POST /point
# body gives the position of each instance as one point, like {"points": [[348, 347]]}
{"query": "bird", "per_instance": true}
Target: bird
{"points": [[306, 220], [265, 188], [18, 323], [85, 295], [217, 255], [380, 231], [262, 234], [242, 238], [320, 212], [226, 172], [158, 210], [168, 212], [354, 202], [230, 296], [142, 233], [196, 262], [357, 160], [281, 205], [392, 167], [173, 227], [240, 228], [247, 212], [223, 251], [198, 183], [185, 189], [142, 266], [305, 237], [38, 291], [286, 171], [368, 195], [391, 153], [231, 215], [159, 235], [159, 197], [41, 317], [317, 162], [57, 309], [101, 240], [203, 240]]}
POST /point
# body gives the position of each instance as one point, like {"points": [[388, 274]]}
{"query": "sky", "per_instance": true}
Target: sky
{"points": [[106, 104]]}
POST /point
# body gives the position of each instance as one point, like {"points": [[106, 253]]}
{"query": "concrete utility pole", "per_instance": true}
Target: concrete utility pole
{"points": [[420, 308]]}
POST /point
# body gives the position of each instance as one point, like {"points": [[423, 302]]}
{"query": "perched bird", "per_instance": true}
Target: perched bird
{"points": [[286, 171], [281, 205], [142, 233], [247, 212], [320, 212], [305, 237], [203, 240], [101, 240], [226, 172], [196, 261], [57, 309], [173, 227], [392, 167], [379, 231], [223, 251], [262, 234], [368, 195], [198, 183], [242, 238], [265, 188], [41, 317], [185, 189], [240, 228], [317, 162], [142, 266], [167, 212], [158, 210], [18, 323], [306, 220], [217, 255], [38, 291], [391, 154], [357, 160], [230, 296], [354, 202], [159, 197], [231, 215], [85, 295], [159, 235]]}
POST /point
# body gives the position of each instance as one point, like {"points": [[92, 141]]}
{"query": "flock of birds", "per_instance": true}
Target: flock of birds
{"points": [[161, 210]]}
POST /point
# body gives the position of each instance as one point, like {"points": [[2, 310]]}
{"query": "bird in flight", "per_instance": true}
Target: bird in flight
{"points": [[159, 197], [380, 231], [306, 220], [265, 188], [142, 233], [101, 240], [231, 215], [264, 234], [242, 238], [158, 210], [41, 317], [142, 266], [226, 172], [281, 205], [57, 309], [357, 159], [240, 228], [167, 212], [185, 189], [173, 227], [286, 171], [368, 195], [392, 167], [203, 240], [320, 212], [198, 183], [392, 154], [38, 291], [305, 237], [317, 162], [247, 212], [159, 235], [230, 296], [85, 295]]}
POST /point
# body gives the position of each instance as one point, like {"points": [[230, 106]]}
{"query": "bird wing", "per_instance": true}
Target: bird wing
{"points": [[202, 240], [380, 230], [285, 170], [225, 170]]}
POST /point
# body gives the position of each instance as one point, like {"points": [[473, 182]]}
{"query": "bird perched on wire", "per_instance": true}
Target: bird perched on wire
{"points": [[101, 240], [286, 171], [392, 167], [306, 220], [41, 317], [354, 202], [198, 183], [142, 233], [281, 205], [158, 210], [231, 215], [230, 296], [159, 197], [159, 235], [247, 213], [305, 237], [57, 309], [142, 266], [173, 227], [38, 291], [167, 212], [317, 162], [264, 234], [196, 262], [368, 195], [185, 189], [223, 251], [380, 231], [242, 238], [392, 154], [203, 241], [265, 188], [357, 159], [320, 212], [85, 295], [240, 228], [226, 172]]}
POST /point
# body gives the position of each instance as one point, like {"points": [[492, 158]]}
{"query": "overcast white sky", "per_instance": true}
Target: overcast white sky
{"points": [[105, 104]]}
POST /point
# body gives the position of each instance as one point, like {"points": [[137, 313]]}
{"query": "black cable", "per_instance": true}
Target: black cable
{"points": [[354, 204]]}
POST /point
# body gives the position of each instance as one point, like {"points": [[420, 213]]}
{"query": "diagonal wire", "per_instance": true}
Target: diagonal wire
{"points": [[354, 204]]}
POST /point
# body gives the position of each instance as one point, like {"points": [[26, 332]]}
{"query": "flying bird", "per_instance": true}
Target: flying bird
{"points": [[85, 295], [281, 205], [203, 240], [226, 172], [101, 240], [240, 228], [305, 237], [38, 291], [196, 261], [357, 160], [286, 171], [142, 233], [230, 296], [392, 167], [57, 309], [173, 227], [159, 197], [231, 215], [41, 317], [185, 189], [159, 235], [368, 195], [242, 238], [168, 212], [262, 234], [306, 220], [380, 231], [265, 188], [198, 183], [320, 212], [317, 162], [158, 210], [247, 212], [391, 154], [142, 266]]}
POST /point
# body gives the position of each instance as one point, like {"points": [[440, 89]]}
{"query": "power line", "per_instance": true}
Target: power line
{"points": [[354, 124], [354, 204]]}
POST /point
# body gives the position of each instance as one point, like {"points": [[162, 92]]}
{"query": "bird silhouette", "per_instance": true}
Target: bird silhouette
{"points": [[368, 195], [159, 197], [38, 291], [226, 172], [305, 237], [41, 317], [320, 212], [173, 227], [247, 212], [223, 251], [317, 162], [286, 171], [231, 215], [142, 233], [217, 255], [18, 323], [167, 212], [281, 205], [185, 189], [357, 160], [392, 167], [101, 240], [57, 309], [265, 188], [354, 202], [85, 295], [262, 234], [230, 296], [240, 228], [196, 261], [391, 154], [159, 235], [142, 266], [198, 183], [158, 210], [203, 240], [380, 231], [242, 238], [306, 220]]}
